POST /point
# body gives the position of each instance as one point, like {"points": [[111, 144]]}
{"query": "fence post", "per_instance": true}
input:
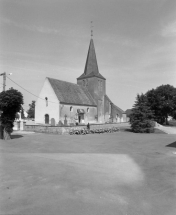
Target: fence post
{"points": [[18, 125], [24, 125]]}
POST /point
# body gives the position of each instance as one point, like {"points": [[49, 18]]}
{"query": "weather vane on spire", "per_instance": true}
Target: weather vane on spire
{"points": [[91, 29]]}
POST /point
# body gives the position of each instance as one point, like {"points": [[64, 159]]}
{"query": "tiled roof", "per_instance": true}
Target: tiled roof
{"points": [[114, 106], [119, 109], [108, 98], [91, 67], [70, 93]]}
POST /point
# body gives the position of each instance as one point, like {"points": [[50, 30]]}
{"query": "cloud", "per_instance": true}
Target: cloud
{"points": [[35, 28], [169, 30]]}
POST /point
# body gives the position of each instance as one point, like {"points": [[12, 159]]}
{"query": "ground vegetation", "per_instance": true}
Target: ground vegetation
{"points": [[141, 118], [31, 111], [10, 103]]}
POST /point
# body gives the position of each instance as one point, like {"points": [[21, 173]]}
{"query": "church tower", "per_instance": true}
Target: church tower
{"points": [[94, 81]]}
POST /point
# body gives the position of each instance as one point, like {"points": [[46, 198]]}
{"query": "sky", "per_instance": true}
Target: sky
{"points": [[135, 44]]}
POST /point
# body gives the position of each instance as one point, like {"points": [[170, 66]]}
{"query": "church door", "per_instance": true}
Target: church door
{"points": [[46, 119], [81, 117]]}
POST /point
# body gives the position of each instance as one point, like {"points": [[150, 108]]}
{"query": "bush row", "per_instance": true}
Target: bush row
{"points": [[93, 131]]}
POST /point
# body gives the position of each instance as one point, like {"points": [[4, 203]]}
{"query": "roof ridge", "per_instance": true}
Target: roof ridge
{"points": [[63, 81]]}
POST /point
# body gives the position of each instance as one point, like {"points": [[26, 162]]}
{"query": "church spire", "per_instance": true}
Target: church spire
{"points": [[91, 67], [91, 62]]}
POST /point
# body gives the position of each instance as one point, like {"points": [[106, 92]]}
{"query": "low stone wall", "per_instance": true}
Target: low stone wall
{"points": [[64, 130]]}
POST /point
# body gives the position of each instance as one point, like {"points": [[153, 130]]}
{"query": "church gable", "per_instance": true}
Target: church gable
{"points": [[47, 104]]}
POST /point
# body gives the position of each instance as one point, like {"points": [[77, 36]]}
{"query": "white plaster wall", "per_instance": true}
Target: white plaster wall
{"points": [[52, 109]]}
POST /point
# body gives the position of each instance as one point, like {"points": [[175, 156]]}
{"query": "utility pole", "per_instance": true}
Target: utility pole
{"points": [[4, 80]]}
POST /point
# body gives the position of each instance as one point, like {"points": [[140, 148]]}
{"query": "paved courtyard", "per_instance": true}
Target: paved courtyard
{"points": [[100, 174]]}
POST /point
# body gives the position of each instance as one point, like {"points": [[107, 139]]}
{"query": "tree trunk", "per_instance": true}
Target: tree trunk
{"points": [[167, 123], [1, 132], [6, 135]]}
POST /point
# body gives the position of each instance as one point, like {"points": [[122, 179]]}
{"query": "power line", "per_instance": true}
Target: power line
{"points": [[29, 91]]}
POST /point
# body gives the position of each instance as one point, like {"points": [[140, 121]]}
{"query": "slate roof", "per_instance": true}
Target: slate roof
{"points": [[91, 67], [69, 93]]}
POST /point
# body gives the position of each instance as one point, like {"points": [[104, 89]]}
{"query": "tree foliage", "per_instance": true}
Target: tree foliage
{"points": [[31, 111], [10, 103], [162, 101], [157, 104], [141, 118]]}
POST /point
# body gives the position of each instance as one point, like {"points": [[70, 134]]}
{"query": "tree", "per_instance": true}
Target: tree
{"points": [[31, 111], [162, 101], [10, 103], [141, 118]]}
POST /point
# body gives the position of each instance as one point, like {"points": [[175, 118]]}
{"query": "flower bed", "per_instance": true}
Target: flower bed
{"points": [[93, 131]]}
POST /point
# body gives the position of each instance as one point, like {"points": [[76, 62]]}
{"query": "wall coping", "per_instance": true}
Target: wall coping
{"points": [[72, 126]]}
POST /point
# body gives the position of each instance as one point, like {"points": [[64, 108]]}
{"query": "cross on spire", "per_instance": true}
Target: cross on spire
{"points": [[91, 29]]}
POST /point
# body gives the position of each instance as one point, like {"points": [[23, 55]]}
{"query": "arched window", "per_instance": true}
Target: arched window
{"points": [[46, 119], [46, 98], [83, 82], [88, 110], [71, 109]]}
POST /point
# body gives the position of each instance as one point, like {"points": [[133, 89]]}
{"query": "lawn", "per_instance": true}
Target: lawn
{"points": [[97, 174]]}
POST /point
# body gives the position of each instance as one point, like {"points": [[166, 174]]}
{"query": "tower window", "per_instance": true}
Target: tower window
{"points": [[99, 84], [84, 83], [88, 110]]}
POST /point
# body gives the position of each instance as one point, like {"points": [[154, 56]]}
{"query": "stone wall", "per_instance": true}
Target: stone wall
{"points": [[68, 114], [64, 130]]}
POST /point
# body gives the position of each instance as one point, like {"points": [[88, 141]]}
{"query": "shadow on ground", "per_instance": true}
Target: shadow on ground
{"points": [[16, 136], [172, 145], [157, 131]]}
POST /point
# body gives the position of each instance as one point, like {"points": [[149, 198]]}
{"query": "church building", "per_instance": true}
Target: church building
{"points": [[66, 103]]}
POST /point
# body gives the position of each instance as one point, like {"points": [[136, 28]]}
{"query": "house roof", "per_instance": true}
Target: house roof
{"points": [[91, 67], [128, 112], [69, 93]]}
